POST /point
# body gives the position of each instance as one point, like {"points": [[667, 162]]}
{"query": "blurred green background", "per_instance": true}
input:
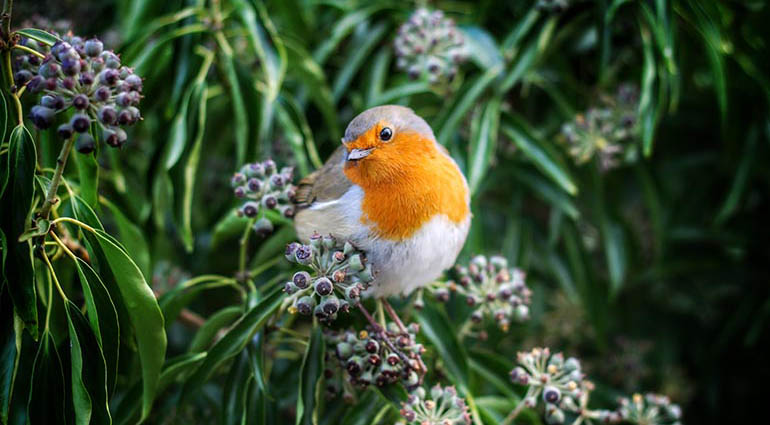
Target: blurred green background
{"points": [[652, 268]]}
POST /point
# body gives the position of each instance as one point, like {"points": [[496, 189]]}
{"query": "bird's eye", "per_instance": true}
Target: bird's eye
{"points": [[385, 134]]}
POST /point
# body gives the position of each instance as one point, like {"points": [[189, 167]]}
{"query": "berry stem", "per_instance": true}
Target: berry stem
{"points": [[61, 162]]}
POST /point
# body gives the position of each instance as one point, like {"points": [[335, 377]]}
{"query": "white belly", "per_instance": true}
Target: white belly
{"points": [[400, 267]]}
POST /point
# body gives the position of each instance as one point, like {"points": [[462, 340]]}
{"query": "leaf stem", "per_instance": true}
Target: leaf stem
{"points": [[28, 50], [244, 243], [54, 277], [61, 162]]}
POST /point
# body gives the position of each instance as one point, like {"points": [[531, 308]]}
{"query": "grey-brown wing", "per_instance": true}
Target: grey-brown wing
{"points": [[325, 184]]}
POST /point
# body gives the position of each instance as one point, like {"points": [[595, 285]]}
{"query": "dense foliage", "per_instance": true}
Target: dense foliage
{"points": [[616, 151]]}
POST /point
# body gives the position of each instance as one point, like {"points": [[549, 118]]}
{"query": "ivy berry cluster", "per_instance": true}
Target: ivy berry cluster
{"points": [[262, 186], [80, 76], [495, 290], [429, 44], [374, 357], [340, 273]]}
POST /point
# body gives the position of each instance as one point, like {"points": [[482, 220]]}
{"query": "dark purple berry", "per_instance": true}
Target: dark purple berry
{"points": [[85, 143], [35, 85], [80, 102], [102, 94], [68, 83], [86, 79], [49, 69], [135, 82], [254, 184], [71, 66], [303, 254], [64, 131], [123, 99], [22, 77], [42, 116], [50, 84], [108, 77], [80, 123], [110, 137], [330, 305], [108, 115], [301, 279], [240, 192], [93, 47], [250, 209], [323, 286], [270, 202], [305, 305]]}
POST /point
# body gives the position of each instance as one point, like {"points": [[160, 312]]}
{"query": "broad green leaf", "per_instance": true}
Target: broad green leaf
{"points": [[88, 369], [10, 349], [132, 238], [363, 43], [235, 391], [88, 172], [44, 37], [46, 404], [434, 325], [178, 134], [18, 273], [191, 167], [310, 379], [239, 108], [314, 79], [483, 143], [144, 313], [401, 91], [103, 318], [234, 341], [294, 137], [465, 101], [545, 190], [532, 149], [481, 47], [213, 325], [511, 43]]}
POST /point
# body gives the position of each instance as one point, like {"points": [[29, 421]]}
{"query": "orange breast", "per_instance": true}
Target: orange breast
{"points": [[406, 183]]}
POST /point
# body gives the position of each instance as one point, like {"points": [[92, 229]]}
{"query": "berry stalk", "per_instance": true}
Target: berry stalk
{"points": [[61, 162]]}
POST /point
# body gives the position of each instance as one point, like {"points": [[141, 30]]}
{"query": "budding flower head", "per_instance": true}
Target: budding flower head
{"points": [[559, 382], [72, 77], [428, 44], [639, 409], [607, 130]]}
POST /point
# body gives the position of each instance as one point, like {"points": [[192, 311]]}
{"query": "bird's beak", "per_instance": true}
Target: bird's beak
{"points": [[356, 154]]}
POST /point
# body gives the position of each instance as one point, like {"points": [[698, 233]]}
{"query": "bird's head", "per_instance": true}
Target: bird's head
{"points": [[385, 141]]}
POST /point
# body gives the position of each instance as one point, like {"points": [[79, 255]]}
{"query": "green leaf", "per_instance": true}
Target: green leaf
{"points": [[363, 43], [240, 122], [545, 190], [483, 143], [178, 134], [481, 47], [46, 403], [294, 137], [10, 349], [88, 173], [235, 391], [144, 313], [310, 379], [464, 102], [234, 341], [401, 91], [132, 238], [18, 273], [434, 325], [191, 167], [103, 318], [213, 325], [532, 149], [44, 37]]}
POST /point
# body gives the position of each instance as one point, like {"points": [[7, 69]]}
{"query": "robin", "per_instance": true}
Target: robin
{"points": [[393, 192]]}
